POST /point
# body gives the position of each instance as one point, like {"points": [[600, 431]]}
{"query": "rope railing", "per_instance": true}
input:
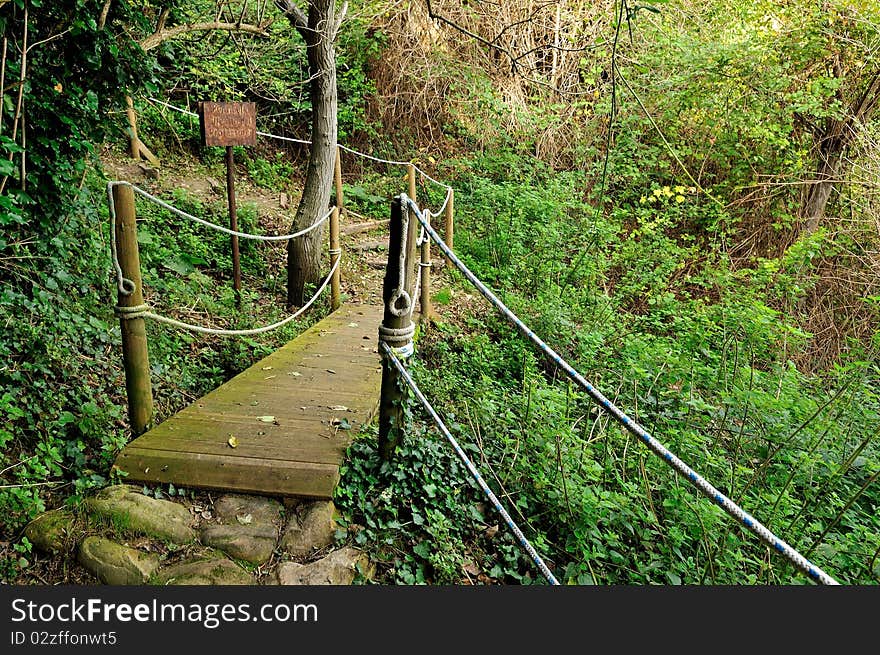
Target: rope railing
{"points": [[700, 483], [143, 311], [126, 286], [357, 153], [388, 353]]}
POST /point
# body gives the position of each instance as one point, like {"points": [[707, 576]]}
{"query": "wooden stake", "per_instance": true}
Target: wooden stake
{"points": [[450, 230], [335, 218], [427, 312], [135, 357], [335, 253], [411, 174], [137, 149], [391, 411], [233, 222], [337, 180], [133, 148]]}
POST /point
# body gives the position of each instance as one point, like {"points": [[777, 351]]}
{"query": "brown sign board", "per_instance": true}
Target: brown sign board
{"points": [[228, 123]]}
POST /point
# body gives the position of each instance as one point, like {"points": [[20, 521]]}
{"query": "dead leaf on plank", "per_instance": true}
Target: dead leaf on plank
{"points": [[330, 370], [352, 325], [268, 377], [267, 368], [295, 374], [339, 408], [266, 419], [232, 441]]}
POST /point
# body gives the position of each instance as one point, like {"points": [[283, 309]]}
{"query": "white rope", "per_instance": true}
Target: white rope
{"points": [[357, 153], [139, 312], [214, 226]]}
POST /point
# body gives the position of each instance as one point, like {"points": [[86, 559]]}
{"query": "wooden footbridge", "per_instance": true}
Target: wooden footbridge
{"points": [[280, 427]]}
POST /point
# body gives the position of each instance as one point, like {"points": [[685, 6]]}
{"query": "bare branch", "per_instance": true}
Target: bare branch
{"points": [[162, 35], [476, 37]]}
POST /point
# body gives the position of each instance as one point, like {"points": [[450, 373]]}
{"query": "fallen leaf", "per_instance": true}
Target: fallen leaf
{"points": [[267, 368], [339, 408], [268, 377], [471, 569], [266, 419], [352, 325], [341, 423], [491, 532], [330, 370], [295, 374], [232, 441], [244, 519], [207, 515]]}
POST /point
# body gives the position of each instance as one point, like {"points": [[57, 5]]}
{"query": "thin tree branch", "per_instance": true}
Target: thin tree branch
{"points": [[162, 35]]}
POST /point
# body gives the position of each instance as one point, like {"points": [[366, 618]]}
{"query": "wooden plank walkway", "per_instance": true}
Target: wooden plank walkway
{"points": [[286, 415]]}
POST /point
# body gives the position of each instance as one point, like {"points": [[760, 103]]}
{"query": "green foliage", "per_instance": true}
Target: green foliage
{"points": [[420, 520]]}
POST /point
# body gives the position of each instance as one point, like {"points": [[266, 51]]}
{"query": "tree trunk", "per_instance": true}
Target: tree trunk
{"points": [[832, 142], [304, 253], [819, 190]]}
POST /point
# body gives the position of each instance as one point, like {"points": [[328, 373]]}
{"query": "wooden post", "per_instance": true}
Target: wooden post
{"points": [[135, 357], [450, 230], [411, 175], [335, 253], [335, 218], [134, 149], [425, 271], [233, 222], [401, 238], [337, 180]]}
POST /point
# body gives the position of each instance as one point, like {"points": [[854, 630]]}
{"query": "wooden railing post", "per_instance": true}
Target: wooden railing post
{"points": [[411, 178], [425, 271], [335, 247], [135, 357], [450, 228], [397, 328], [335, 254]]}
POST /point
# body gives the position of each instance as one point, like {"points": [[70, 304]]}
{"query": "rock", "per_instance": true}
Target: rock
{"points": [[216, 187], [115, 564], [253, 543], [310, 527], [149, 172], [233, 508], [338, 568], [128, 509], [51, 532], [215, 571]]}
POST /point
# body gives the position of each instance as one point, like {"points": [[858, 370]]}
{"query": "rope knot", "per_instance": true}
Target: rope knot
{"points": [[399, 340], [129, 313]]}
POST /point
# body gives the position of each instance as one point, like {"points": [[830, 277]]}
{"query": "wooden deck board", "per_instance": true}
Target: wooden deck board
{"points": [[329, 373]]}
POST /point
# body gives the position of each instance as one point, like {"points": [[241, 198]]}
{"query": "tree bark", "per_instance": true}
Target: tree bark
{"points": [[832, 143], [304, 253]]}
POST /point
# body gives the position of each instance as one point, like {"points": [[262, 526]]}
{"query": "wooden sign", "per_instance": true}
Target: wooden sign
{"points": [[228, 123]]}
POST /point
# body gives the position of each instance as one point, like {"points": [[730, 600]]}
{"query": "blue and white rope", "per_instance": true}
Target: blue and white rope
{"points": [[388, 353], [680, 467]]}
